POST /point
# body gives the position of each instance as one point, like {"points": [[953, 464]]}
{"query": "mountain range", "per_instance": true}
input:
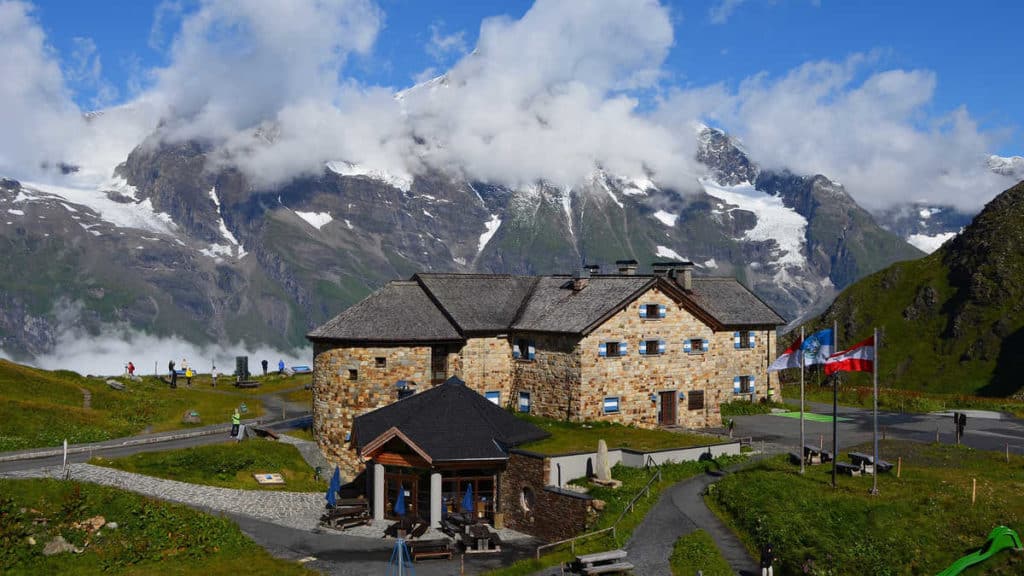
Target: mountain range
{"points": [[175, 243]]}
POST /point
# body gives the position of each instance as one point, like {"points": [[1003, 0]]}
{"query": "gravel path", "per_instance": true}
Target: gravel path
{"points": [[299, 510]]}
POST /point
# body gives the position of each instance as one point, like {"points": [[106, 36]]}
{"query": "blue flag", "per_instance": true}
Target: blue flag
{"points": [[333, 487], [467, 500], [400, 501], [818, 347]]}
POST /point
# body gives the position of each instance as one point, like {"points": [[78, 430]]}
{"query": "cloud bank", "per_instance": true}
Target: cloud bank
{"points": [[549, 96]]}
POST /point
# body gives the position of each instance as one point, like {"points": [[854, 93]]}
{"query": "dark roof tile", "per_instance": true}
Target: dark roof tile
{"points": [[555, 307], [479, 302], [730, 303], [400, 311]]}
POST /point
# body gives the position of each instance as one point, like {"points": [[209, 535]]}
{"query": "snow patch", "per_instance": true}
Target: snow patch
{"points": [[428, 214], [929, 244], [315, 219], [140, 215], [216, 250], [774, 220], [664, 252], [15, 212], [926, 213], [349, 224], [710, 263], [402, 182], [492, 226], [459, 260], [666, 218], [637, 186], [601, 179]]}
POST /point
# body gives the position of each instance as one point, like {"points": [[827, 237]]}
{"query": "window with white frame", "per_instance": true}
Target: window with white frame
{"points": [[611, 405], [494, 396], [611, 349], [524, 349], [524, 401], [696, 345]]}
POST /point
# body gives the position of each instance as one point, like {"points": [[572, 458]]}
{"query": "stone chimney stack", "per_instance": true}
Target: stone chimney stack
{"points": [[627, 267], [680, 272], [580, 279], [685, 278]]}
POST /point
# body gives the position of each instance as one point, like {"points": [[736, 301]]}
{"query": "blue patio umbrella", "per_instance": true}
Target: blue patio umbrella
{"points": [[333, 487], [467, 500], [400, 501]]}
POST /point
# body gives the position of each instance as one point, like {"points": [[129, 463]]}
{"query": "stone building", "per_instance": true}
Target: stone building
{"points": [[662, 349]]}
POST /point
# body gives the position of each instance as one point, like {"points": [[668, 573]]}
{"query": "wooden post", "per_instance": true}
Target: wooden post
{"points": [[936, 434], [821, 441], [1007, 452], [899, 466], [974, 489]]}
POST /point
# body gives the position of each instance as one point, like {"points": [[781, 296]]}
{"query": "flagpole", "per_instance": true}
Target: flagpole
{"points": [[803, 453], [835, 404], [874, 364]]}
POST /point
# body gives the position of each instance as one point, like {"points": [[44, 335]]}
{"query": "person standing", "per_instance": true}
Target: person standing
{"points": [[131, 370], [767, 559], [188, 377], [264, 364], [280, 366], [213, 375], [236, 421], [174, 374]]}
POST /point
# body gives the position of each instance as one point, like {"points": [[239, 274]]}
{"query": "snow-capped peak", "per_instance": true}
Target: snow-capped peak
{"points": [[401, 181], [1012, 166]]}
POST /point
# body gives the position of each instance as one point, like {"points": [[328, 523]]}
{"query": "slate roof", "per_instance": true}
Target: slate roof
{"points": [[555, 307], [479, 302], [400, 311], [450, 422], [728, 302]]}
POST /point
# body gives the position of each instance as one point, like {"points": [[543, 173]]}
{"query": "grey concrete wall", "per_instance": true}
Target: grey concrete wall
{"points": [[575, 465]]}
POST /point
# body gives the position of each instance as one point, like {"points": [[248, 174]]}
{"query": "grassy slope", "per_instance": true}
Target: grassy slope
{"points": [[569, 437], [41, 408], [697, 551], [152, 537], [229, 465], [919, 524]]}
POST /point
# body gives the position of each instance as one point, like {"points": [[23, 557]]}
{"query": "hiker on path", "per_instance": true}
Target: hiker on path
{"points": [[280, 366], [767, 559], [236, 421], [174, 374], [213, 375], [131, 370], [188, 377], [264, 363]]}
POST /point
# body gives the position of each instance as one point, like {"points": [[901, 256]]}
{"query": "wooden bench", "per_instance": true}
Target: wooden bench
{"points": [[480, 539], [347, 512], [609, 568], [851, 469], [609, 562], [246, 384], [439, 548]]}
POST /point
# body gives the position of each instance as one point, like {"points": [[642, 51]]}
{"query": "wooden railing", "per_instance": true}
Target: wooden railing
{"points": [[629, 508]]}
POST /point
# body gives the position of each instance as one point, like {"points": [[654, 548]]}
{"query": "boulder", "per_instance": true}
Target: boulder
{"points": [[110, 525], [604, 471], [59, 546], [115, 384], [191, 417]]}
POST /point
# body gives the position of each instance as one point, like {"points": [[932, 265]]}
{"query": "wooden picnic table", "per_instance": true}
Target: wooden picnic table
{"points": [[866, 462], [439, 548], [607, 562], [480, 539]]}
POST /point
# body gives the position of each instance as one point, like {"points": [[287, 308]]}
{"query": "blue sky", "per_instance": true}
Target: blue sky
{"points": [[971, 48]]}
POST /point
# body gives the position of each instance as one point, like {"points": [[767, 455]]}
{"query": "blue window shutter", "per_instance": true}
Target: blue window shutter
{"points": [[515, 351], [736, 339], [661, 310], [602, 350], [531, 351], [751, 378], [661, 346], [643, 346], [643, 311], [611, 404], [736, 385], [706, 344], [494, 397], [622, 348], [524, 401], [753, 339], [687, 347]]}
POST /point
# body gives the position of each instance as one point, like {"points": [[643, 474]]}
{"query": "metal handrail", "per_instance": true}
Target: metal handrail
{"points": [[629, 508]]}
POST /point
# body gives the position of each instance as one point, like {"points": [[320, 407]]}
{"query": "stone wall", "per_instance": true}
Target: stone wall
{"points": [[552, 378], [553, 514], [486, 366], [337, 399], [634, 378]]}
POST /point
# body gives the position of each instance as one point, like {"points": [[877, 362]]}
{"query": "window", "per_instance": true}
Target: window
{"points": [[494, 396], [353, 374], [527, 500], [743, 385], [380, 362], [696, 400], [696, 346], [744, 339], [524, 401], [524, 350], [652, 347], [612, 349], [652, 311], [611, 405]]}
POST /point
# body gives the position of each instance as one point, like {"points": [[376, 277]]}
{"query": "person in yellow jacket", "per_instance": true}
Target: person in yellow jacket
{"points": [[188, 377], [236, 420]]}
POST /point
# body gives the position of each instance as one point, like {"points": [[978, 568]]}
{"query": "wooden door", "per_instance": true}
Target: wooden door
{"points": [[667, 416]]}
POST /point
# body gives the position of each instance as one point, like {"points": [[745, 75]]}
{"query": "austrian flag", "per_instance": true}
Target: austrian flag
{"points": [[860, 358]]}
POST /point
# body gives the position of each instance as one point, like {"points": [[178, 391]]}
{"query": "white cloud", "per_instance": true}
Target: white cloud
{"points": [[442, 45], [721, 10]]}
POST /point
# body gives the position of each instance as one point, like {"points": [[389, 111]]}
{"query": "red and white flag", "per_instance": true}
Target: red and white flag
{"points": [[790, 358], [859, 358]]}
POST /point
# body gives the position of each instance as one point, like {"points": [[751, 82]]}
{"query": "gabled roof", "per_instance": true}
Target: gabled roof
{"points": [[449, 422], [479, 302], [555, 307], [730, 303], [398, 312]]}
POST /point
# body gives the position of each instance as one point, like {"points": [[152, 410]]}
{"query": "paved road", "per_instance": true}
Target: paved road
{"points": [[981, 433]]}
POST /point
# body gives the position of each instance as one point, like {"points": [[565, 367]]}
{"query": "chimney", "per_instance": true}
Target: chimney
{"points": [[594, 269], [627, 267], [685, 279], [680, 272], [580, 279]]}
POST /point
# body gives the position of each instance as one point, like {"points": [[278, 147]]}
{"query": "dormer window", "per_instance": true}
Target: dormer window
{"points": [[524, 350]]}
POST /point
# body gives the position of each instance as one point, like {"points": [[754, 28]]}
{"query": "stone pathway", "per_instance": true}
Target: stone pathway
{"points": [[86, 398], [299, 510]]}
